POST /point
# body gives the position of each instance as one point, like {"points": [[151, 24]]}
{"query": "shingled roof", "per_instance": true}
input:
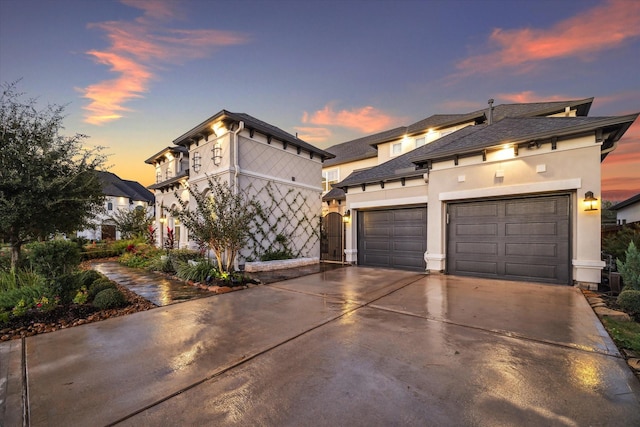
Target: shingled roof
{"points": [[364, 148], [473, 139], [113, 185], [252, 124]]}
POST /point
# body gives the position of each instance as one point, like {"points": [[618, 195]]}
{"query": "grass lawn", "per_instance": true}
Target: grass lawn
{"points": [[625, 334]]}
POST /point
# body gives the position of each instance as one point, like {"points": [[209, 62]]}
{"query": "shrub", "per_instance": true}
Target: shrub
{"points": [[81, 296], [195, 272], [184, 255], [630, 268], [629, 301], [99, 285], [11, 298], [19, 278], [162, 263], [54, 258], [109, 298], [87, 277], [65, 287]]}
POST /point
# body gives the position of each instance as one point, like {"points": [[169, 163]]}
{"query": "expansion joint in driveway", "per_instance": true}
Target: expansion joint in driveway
{"points": [[500, 332], [268, 349]]}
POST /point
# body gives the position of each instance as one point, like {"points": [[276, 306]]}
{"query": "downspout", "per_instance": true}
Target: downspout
{"points": [[236, 157], [236, 167]]}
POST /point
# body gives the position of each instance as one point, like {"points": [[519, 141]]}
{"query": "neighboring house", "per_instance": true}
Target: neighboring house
{"points": [[628, 211], [504, 193], [270, 165], [119, 194]]}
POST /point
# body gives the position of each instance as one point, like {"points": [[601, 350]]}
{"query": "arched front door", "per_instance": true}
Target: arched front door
{"points": [[332, 241]]}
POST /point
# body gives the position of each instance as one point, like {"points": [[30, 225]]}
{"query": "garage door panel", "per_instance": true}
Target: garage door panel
{"points": [[477, 248], [408, 246], [477, 229], [532, 249], [377, 245], [477, 267], [488, 209], [531, 270], [395, 238], [532, 229], [408, 231], [528, 239]]}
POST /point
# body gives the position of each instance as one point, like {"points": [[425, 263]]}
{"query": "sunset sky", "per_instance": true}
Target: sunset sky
{"points": [[136, 74]]}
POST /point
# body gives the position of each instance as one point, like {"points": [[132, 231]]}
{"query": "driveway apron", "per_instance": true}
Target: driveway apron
{"points": [[353, 346]]}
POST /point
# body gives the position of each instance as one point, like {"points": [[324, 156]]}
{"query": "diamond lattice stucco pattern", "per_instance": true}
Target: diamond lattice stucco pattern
{"points": [[272, 160]]}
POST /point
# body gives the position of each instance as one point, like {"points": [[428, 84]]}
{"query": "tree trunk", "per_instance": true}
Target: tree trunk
{"points": [[15, 254]]}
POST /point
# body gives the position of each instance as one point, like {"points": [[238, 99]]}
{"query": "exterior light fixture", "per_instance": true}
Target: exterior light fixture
{"points": [[196, 162], [163, 219], [217, 154], [347, 216], [590, 202]]}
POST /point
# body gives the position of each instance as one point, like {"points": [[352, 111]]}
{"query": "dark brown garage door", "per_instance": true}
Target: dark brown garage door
{"points": [[393, 238], [514, 239]]}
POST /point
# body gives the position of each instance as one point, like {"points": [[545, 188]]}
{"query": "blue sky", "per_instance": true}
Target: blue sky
{"points": [[137, 74]]}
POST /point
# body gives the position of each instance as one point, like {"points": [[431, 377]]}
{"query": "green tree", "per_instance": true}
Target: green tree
{"points": [[48, 182], [132, 223], [220, 222], [630, 268]]}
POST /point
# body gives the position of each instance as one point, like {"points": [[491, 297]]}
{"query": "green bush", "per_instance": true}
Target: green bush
{"points": [[99, 285], [19, 278], [10, 299], [109, 298], [54, 258], [184, 255], [629, 301], [162, 263], [87, 277], [65, 287], [630, 268], [95, 254], [197, 273]]}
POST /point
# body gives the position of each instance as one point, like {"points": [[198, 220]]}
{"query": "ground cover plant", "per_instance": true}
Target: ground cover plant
{"points": [[50, 291]]}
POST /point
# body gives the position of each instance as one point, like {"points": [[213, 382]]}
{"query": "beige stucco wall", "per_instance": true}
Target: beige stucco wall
{"points": [[574, 168]]}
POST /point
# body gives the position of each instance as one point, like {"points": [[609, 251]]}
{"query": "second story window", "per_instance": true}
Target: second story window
{"points": [[420, 142], [329, 176], [158, 176], [396, 149], [109, 206]]}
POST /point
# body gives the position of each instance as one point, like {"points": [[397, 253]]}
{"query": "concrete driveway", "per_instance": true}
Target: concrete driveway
{"points": [[353, 346]]}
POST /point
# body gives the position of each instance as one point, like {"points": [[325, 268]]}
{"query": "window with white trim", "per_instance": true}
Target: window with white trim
{"points": [[329, 176], [420, 142], [396, 149]]}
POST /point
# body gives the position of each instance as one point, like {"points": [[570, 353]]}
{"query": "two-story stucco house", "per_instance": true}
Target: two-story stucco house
{"points": [[119, 194], [507, 192], [268, 164]]}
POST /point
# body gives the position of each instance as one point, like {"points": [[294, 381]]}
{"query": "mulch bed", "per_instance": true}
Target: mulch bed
{"points": [[38, 322]]}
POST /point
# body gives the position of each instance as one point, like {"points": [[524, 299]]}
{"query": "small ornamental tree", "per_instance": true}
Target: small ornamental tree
{"points": [[132, 223], [221, 220], [630, 268]]}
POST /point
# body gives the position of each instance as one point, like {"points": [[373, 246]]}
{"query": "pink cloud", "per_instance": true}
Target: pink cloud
{"points": [[138, 48], [598, 29], [313, 134], [366, 119], [529, 96]]}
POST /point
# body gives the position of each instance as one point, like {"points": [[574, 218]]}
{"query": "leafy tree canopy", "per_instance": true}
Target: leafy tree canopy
{"points": [[132, 223], [48, 182], [221, 220]]}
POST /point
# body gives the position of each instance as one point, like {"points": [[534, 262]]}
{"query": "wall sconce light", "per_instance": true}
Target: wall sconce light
{"points": [[590, 202], [347, 216], [163, 219], [217, 154]]}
